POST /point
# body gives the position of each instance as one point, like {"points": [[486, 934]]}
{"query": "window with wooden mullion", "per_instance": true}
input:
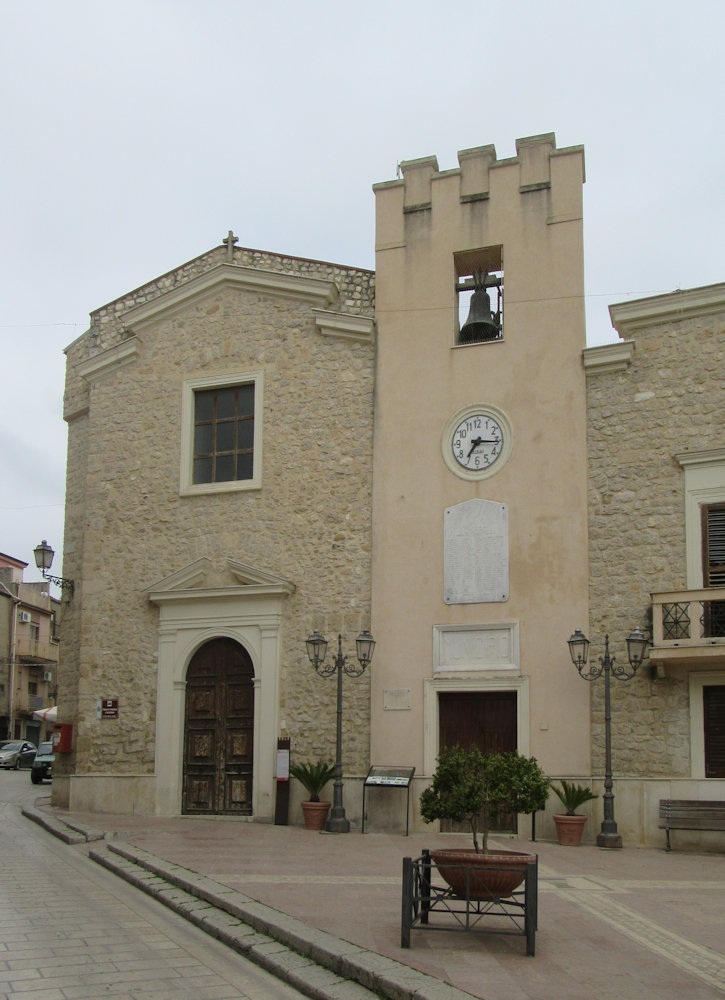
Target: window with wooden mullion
{"points": [[224, 434], [713, 565]]}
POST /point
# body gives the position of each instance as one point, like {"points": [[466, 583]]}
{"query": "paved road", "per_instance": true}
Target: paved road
{"points": [[71, 931]]}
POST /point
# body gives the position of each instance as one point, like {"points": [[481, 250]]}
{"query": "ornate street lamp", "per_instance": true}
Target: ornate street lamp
{"points": [[44, 560], [637, 644], [316, 650]]}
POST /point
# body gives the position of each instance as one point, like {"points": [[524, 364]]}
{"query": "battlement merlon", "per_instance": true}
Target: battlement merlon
{"points": [[538, 165]]}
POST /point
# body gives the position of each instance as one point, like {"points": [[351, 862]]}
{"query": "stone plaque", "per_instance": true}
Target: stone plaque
{"points": [[476, 553], [475, 647], [396, 699]]}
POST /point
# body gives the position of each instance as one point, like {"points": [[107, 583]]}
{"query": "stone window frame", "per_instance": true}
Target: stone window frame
{"points": [[697, 681], [219, 381], [704, 487]]}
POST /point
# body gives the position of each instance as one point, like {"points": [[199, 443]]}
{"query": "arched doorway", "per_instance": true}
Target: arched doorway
{"points": [[219, 730]]}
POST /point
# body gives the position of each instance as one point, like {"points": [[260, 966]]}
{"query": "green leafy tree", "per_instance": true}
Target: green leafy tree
{"points": [[477, 788]]}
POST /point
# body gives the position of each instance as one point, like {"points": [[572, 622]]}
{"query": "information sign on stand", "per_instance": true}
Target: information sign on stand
{"points": [[281, 806], [389, 776]]}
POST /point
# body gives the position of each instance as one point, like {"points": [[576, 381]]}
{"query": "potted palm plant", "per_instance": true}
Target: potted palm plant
{"points": [[570, 825], [477, 788], [313, 777]]}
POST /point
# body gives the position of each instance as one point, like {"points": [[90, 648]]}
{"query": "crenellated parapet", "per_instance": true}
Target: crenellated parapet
{"points": [[481, 177]]}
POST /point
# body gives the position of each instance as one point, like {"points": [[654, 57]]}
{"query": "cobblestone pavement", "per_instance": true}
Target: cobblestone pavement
{"points": [[71, 931]]}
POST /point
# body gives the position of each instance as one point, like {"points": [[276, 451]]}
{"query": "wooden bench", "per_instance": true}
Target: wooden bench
{"points": [[690, 814]]}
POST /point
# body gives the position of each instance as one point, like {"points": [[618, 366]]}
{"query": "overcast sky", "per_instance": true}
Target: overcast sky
{"points": [[135, 133]]}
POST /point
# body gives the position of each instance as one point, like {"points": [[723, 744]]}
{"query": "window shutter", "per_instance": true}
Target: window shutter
{"points": [[713, 545], [713, 702]]}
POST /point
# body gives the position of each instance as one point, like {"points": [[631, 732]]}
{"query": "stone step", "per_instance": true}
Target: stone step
{"points": [[314, 962]]}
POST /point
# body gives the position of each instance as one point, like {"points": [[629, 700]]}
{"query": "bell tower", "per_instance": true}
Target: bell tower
{"points": [[480, 562]]}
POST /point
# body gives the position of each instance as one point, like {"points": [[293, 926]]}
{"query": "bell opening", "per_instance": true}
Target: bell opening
{"points": [[479, 293]]}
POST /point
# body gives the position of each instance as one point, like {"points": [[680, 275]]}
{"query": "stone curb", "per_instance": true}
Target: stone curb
{"points": [[314, 962], [202, 899], [63, 831]]}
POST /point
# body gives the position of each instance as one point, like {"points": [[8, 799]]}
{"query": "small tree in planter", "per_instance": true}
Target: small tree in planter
{"points": [[570, 825], [313, 778], [477, 788]]}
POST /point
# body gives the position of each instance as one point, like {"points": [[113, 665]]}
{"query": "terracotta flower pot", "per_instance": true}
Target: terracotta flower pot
{"points": [[465, 870], [315, 814], [569, 829]]}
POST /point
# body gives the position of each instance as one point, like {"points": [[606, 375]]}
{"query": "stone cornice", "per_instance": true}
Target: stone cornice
{"points": [[608, 357], [708, 456], [319, 292], [332, 324], [628, 317], [251, 576], [191, 581], [109, 360]]}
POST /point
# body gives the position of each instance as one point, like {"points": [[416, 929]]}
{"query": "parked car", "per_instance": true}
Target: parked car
{"points": [[42, 766], [17, 753]]}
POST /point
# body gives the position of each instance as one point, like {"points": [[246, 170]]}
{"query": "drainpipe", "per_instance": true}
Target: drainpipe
{"points": [[11, 679]]}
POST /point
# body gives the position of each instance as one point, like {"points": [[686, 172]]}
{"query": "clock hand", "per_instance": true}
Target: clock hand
{"points": [[477, 441], [474, 444]]}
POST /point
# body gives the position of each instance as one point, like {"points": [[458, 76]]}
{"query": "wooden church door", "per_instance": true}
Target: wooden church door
{"points": [[483, 719], [219, 730]]}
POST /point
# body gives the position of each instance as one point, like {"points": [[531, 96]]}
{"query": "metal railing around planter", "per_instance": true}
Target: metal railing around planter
{"points": [[429, 902]]}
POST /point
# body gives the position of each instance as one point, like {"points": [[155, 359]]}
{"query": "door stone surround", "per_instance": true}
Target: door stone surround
{"points": [[193, 609]]}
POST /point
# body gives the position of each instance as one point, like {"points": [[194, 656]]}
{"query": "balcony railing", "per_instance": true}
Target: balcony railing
{"points": [[36, 651], [28, 703], [688, 625]]}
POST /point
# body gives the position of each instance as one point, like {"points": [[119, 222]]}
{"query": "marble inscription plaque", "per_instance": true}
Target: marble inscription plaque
{"points": [[475, 553]]}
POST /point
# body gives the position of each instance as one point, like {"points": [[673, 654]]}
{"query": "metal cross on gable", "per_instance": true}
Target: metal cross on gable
{"points": [[230, 240]]}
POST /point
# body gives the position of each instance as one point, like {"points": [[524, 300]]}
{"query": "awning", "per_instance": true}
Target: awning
{"points": [[47, 714]]}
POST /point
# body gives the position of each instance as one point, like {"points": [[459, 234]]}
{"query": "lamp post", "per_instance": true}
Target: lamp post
{"points": [[44, 560], [637, 644], [316, 650]]}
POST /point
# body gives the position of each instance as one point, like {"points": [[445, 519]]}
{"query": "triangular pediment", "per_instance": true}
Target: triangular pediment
{"points": [[319, 292], [228, 577]]}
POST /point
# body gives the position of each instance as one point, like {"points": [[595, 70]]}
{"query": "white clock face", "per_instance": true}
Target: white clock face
{"points": [[477, 442]]}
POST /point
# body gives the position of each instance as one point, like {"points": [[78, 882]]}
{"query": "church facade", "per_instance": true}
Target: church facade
{"points": [[262, 445]]}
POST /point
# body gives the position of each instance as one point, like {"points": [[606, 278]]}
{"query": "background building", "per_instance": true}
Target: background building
{"points": [[29, 646]]}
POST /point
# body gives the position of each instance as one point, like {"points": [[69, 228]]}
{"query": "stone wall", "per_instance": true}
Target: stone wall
{"points": [[127, 526], [667, 400]]}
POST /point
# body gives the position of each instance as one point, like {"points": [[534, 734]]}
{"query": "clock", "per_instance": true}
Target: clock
{"points": [[477, 441]]}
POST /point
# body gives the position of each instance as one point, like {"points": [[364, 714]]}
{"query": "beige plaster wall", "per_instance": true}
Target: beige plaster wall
{"points": [[532, 205]]}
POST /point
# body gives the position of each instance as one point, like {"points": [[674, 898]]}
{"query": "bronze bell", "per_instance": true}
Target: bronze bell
{"points": [[481, 324]]}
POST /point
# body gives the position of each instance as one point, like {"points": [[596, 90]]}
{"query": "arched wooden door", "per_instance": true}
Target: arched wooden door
{"points": [[219, 730]]}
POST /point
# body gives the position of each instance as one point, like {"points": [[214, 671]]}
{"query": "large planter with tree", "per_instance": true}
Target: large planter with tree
{"points": [[477, 788], [313, 778], [570, 825]]}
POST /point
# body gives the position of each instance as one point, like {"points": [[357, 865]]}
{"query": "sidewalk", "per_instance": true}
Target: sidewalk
{"points": [[612, 924]]}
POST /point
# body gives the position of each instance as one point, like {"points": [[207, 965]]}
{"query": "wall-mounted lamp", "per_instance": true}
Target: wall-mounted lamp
{"points": [[44, 560]]}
